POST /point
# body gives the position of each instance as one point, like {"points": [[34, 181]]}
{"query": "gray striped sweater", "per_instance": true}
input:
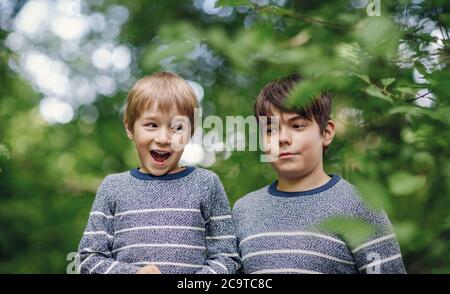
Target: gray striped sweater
{"points": [[281, 232], [179, 222]]}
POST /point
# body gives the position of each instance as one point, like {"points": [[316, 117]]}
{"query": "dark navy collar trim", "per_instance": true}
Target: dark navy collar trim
{"points": [[135, 172], [275, 192]]}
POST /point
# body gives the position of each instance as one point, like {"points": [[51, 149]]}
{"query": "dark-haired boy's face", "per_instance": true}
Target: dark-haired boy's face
{"points": [[295, 144]]}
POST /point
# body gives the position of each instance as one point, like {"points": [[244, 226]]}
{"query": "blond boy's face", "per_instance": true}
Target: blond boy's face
{"points": [[295, 145], [160, 138]]}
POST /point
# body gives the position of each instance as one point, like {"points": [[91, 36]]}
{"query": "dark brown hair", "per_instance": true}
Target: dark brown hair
{"points": [[274, 95]]}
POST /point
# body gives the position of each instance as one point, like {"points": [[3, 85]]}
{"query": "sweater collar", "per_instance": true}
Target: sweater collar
{"points": [[273, 190], [135, 172]]}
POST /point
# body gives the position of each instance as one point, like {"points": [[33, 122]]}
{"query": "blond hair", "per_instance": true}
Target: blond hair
{"points": [[166, 90]]}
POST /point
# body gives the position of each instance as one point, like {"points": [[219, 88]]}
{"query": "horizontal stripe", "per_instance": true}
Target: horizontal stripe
{"points": [[285, 270], [372, 242], [111, 267], [295, 251], [95, 252], [220, 237], [219, 217], [380, 261], [101, 214], [156, 210], [219, 264], [169, 263], [98, 233], [159, 228], [298, 233], [227, 254], [86, 259], [159, 245], [96, 266]]}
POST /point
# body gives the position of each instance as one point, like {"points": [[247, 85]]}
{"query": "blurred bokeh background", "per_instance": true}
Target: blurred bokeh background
{"points": [[66, 66]]}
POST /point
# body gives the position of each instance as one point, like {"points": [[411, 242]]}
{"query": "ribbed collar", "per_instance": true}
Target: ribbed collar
{"points": [[273, 190], [135, 172]]}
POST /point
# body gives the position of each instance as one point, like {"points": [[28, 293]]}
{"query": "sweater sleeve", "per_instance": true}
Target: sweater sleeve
{"points": [[95, 254], [380, 253], [222, 256]]}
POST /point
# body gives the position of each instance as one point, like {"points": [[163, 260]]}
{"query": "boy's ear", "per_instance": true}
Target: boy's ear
{"points": [[127, 129], [328, 133]]}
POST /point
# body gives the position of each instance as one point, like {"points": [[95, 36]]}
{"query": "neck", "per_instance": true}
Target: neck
{"points": [[306, 182], [175, 170]]}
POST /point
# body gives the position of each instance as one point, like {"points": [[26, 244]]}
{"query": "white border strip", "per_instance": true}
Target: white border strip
{"points": [[169, 263], [111, 267], [219, 217], [372, 242], [159, 228], [156, 210], [167, 245], [380, 261], [101, 214], [90, 233], [296, 251], [220, 237], [285, 270], [297, 233]]}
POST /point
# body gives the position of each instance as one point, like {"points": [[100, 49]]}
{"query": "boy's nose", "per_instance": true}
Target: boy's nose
{"points": [[163, 137], [284, 137]]}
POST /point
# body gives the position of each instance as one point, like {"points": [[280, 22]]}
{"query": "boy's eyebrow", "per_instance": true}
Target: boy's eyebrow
{"points": [[297, 117]]}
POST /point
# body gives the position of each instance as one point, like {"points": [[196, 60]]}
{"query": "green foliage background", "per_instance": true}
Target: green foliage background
{"points": [[393, 149]]}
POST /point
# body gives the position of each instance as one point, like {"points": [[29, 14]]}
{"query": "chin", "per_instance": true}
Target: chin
{"points": [[290, 172], [289, 168], [156, 171]]}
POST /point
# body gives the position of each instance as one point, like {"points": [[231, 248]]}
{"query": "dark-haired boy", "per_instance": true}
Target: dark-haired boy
{"points": [[279, 226]]}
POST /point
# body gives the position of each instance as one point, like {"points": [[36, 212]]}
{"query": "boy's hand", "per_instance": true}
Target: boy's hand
{"points": [[149, 270]]}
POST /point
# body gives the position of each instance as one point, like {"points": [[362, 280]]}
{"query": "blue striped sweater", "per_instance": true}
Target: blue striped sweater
{"points": [[179, 222], [281, 232]]}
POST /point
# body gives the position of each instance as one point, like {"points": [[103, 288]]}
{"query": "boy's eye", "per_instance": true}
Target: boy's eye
{"points": [[298, 126], [151, 125]]}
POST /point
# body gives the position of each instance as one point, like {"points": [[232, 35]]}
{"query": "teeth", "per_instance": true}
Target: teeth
{"points": [[160, 152]]}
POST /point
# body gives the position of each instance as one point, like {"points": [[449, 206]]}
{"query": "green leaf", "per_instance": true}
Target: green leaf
{"points": [[378, 36], [405, 231], [411, 110], [376, 92], [404, 183], [304, 92], [388, 81], [372, 192], [276, 10], [407, 91], [232, 3], [354, 231], [5, 150], [176, 50], [364, 77]]}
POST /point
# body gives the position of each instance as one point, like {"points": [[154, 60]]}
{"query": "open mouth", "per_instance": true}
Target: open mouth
{"points": [[160, 156]]}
